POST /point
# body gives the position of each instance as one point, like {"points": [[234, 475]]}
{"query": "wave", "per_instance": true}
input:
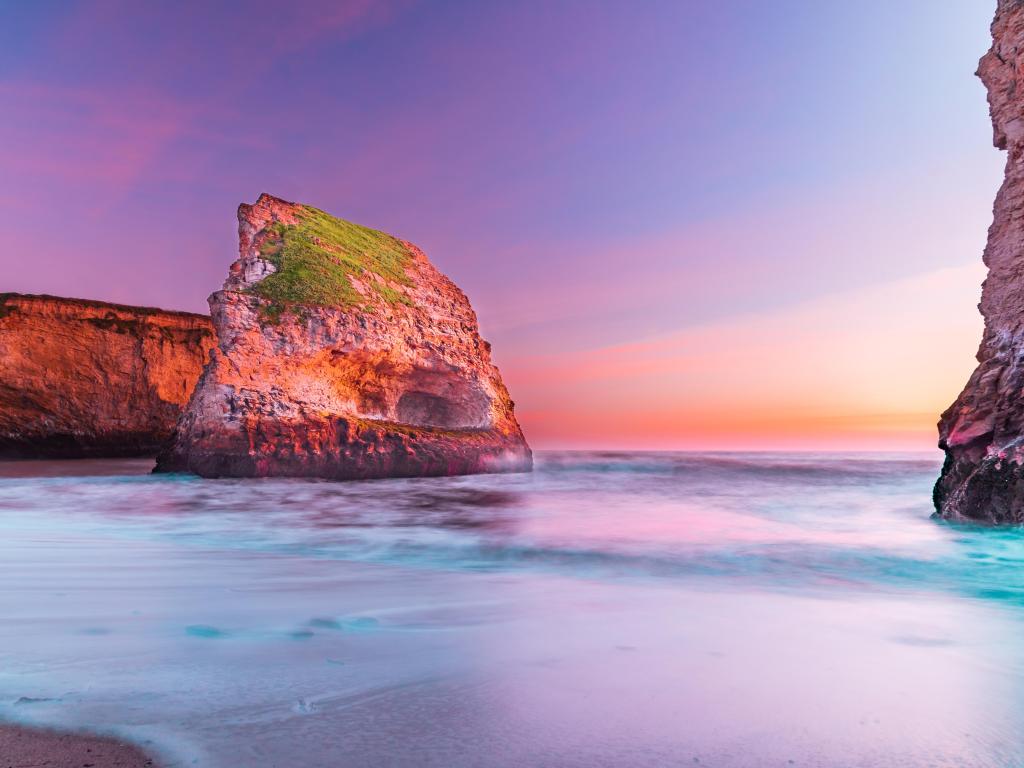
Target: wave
{"points": [[828, 467]]}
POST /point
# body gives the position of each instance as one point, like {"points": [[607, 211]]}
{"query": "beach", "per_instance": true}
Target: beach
{"points": [[609, 609]]}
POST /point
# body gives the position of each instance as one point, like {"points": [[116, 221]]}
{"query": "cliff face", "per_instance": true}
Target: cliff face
{"points": [[342, 353], [982, 433], [85, 378]]}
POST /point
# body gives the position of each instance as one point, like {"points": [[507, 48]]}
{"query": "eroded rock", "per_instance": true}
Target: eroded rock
{"points": [[342, 353]]}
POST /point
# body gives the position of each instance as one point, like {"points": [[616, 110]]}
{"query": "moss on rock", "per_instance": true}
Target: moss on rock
{"points": [[317, 258]]}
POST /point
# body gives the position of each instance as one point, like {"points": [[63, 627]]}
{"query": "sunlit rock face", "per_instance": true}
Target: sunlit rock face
{"points": [[89, 379], [982, 433], [342, 353]]}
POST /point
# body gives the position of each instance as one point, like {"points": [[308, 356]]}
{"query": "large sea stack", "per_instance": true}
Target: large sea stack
{"points": [[89, 379], [982, 433], [342, 353]]}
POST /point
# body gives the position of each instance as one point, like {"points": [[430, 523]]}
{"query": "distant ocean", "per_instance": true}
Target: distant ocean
{"points": [[609, 609]]}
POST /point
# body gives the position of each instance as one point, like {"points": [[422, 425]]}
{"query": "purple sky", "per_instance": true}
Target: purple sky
{"points": [[595, 175]]}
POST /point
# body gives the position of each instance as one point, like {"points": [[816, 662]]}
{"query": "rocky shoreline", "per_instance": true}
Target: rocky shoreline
{"points": [[333, 351]]}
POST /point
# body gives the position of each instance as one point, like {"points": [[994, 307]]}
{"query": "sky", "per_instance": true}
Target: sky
{"points": [[683, 224]]}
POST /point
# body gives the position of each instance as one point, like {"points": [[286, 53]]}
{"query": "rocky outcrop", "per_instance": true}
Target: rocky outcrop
{"points": [[982, 433], [87, 379], [342, 353]]}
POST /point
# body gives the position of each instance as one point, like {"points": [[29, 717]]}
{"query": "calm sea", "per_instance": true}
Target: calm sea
{"points": [[609, 609]]}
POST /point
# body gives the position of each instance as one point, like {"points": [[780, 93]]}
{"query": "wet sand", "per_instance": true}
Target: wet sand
{"points": [[23, 747]]}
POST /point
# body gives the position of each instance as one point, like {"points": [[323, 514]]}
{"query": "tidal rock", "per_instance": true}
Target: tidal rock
{"points": [[89, 379], [982, 433], [342, 352]]}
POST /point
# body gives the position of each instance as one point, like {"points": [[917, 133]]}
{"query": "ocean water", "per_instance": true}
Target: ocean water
{"points": [[609, 609]]}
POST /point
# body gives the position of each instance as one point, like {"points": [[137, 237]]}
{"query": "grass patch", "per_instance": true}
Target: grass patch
{"points": [[316, 257]]}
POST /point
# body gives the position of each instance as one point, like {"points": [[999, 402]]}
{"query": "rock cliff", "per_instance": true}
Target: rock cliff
{"points": [[982, 433], [342, 353], [84, 378]]}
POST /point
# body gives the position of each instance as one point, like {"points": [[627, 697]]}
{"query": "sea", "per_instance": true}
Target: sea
{"points": [[609, 609]]}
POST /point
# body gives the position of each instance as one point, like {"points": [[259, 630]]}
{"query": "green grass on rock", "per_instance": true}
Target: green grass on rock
{"points": [[315, 258]]}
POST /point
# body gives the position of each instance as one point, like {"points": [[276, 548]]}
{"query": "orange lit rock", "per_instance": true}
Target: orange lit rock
{"points": [[982, 433], [84, 378], [342, 353]]}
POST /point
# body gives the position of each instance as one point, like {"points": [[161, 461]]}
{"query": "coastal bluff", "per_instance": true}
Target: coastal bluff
{"points": [[982, 433], [342, 353], [81, 379]]}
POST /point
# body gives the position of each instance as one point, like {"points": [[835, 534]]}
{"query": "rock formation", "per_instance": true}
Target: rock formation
{"points": [[342, 353], [84, 378], [982, 433]]}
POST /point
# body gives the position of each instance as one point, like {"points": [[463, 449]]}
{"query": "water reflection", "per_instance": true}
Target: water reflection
{"points": [[776, 520]]}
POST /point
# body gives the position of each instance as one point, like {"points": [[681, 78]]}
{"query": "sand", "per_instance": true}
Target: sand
{"points": [[24, 747]]}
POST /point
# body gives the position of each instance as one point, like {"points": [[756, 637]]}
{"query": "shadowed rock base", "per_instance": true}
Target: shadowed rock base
{"points": [[22, 747], [64, 445], [990, 490]]}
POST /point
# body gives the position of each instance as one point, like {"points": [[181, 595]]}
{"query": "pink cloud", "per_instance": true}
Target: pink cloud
{"points": [[81, 136]]}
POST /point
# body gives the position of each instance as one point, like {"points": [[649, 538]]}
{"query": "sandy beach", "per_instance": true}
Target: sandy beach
{"points": [[22, 747]]}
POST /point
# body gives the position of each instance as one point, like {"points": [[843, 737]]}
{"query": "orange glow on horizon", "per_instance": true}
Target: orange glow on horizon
{"points": [[804, 377]]}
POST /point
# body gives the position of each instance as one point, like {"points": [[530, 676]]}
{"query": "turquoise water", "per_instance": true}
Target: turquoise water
{"points": [[608, 609]]}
